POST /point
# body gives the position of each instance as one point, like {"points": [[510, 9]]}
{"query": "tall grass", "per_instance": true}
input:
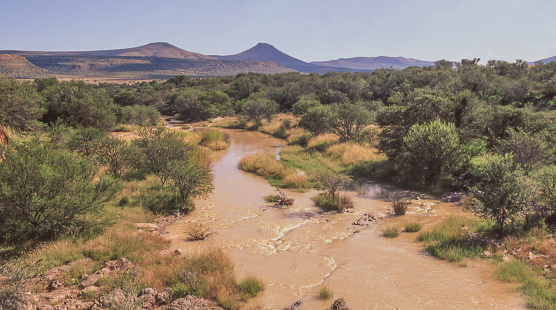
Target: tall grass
{"points": [[413, 227], [278, 173], [215, 139], [250, 287], [451, 239]]}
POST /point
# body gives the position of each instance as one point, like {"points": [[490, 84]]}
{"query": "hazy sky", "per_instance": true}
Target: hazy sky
{"points": [[306, 29]]}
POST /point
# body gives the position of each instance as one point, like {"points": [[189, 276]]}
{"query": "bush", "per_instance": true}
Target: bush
{"points": [[340, 202], [503, 192], [400, 206], [413, 227], [199, 232], [162, 202], [250, 287], [272, 198], [325, 293], [47, 192], [391, 232]]}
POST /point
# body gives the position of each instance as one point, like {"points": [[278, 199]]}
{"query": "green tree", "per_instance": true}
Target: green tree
{"points": [[317, 120], [20, 105], [257, 109], [116, 154], [429, 150], [348, 119], [529, 150], [157, 148], [86, 141], [190, 178], [47, 192], [502, 192]]}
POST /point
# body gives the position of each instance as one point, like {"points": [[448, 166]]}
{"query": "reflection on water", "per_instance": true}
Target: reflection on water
{"points": [[297, 250]]}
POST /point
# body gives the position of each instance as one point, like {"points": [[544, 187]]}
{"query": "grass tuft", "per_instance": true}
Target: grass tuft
{"points": [[391, 232], [250, 287], [325, 293], [413, 227]]}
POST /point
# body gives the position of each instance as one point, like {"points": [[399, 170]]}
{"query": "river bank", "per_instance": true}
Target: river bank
{"points": [[298, 250]]}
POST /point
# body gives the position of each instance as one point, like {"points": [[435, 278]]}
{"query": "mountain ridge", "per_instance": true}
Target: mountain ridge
{"points": [[267, 52], [156, 49], [372, 63]]}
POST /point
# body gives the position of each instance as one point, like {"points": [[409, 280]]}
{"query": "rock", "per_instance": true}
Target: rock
{"points": [[147, 301], [339, 304], [148, 291], [192, 303], [53, 285], [506, 258], [89, 290], [178, 252], [294, 306], [164, 297], [45, 307], [146, 226], [91, 280], [487, 254], [531, 256]]}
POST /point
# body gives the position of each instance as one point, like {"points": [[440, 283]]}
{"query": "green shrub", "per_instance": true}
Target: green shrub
{"points": [[391, 232], [162, 202], [272, 198], [250, 287], [325, 293], [413, 227], [47, 192], [339, 203]]}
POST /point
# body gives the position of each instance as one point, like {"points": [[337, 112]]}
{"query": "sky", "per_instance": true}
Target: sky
{"points": [[311, 30]]}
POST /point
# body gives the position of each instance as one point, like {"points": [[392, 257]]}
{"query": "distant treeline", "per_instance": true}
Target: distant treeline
{"points": [[449, 126]]}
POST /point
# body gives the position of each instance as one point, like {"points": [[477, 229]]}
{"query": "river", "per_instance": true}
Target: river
{"points": [[296, 251]]}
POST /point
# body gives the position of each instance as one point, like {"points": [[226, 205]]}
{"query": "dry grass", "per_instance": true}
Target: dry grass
{"points": [[278, 173], [321, 143], [352, 153], [275, 126]]}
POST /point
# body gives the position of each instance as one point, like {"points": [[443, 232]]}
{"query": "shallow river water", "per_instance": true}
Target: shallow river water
{"points": [[298, 250]]}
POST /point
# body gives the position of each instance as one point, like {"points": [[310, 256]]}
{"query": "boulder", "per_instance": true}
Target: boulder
{"points": [[164, 297], [339, 304], [91, 280]]}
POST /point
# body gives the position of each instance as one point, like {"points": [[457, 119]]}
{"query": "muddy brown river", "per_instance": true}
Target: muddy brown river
{"points": [[298, 250]]}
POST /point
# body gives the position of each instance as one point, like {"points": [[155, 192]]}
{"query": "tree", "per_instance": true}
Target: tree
{"points": [[47, 192], [332, 182], [502, 192], [86, 141], [20, 105], [348, 119], [529, 150], [317, 120], [157, 148], [429, 150], [79, 104], [190, 178], [116, 154], [257, 109]]}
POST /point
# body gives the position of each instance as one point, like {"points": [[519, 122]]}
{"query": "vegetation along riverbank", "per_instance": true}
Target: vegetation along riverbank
{"points": [[82, 164]]}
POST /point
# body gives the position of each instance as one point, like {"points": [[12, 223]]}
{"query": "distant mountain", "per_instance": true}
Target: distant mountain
{"points": [[267, 52], [372, 63], [18, 67], [159, 49], [151, 61], [546, 60]]}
